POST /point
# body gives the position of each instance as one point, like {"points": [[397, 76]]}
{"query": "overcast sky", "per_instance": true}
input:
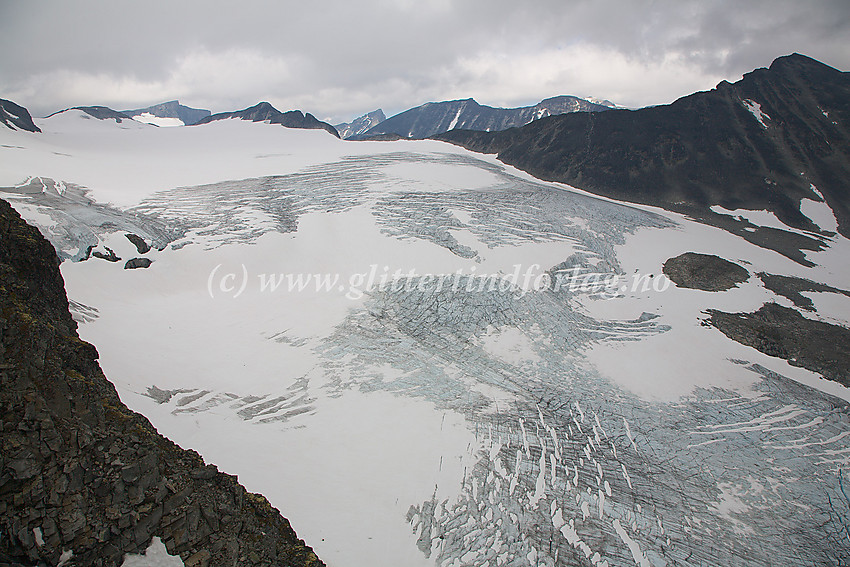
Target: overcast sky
{"points": [[341, 58]]}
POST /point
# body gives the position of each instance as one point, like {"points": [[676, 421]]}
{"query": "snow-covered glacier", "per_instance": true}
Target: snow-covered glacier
{"points": [[424, 357]]}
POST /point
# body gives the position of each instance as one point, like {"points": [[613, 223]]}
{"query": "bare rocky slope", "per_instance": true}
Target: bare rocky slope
{"points": [[16, 117], [79, 471], [433, 118], [759, 144]]}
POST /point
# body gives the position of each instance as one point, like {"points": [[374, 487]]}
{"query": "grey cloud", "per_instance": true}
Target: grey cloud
{"points": [[341, 58]]}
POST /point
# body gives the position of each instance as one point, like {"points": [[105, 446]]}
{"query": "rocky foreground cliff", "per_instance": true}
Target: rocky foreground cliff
{"points": [[85, 480]]}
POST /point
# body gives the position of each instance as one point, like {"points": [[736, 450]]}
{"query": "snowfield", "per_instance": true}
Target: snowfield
{"points": [[367, 334]]}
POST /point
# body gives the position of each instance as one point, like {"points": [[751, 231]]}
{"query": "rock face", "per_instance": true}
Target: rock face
{"points": [[16, 117], [266, 112], [79, 471], [792, 289], [782, 332], [172, 109], [705, 272], [436, 117], [760, 143], [360, 125]]}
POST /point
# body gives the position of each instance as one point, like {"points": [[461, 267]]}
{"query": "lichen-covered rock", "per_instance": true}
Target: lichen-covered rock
{"points": [[79, 471], [704, 271]]}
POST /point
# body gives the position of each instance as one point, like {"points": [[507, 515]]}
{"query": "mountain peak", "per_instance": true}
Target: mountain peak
{"points": [[265, 112], [434, 118], [761, 143], [264, 107], [360, 124], [796, 63], [170, 113]]}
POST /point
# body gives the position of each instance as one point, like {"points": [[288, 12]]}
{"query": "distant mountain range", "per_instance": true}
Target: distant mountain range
{"points": [[360, 125], [436, 117], [170, 113], [266, 112], [16, 117], [172, 110], [766, 142]]}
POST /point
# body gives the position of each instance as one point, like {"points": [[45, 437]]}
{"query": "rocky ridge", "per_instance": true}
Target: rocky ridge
{"points": [[172, 109], [434, 118], [766, 142], [15, 116], [264, 111], [82, 478], [99, 112]]}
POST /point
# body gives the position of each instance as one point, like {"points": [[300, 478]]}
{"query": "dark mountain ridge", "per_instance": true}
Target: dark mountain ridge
{"points": [[15, 116], [759, 143], [172, 109], [99, 112], [264, 111], [435, 117]]}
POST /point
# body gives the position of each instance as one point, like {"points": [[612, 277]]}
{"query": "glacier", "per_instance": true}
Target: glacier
{"points": [[419, 423]]}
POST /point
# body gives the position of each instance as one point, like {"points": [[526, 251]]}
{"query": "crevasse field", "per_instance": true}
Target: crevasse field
{"points": [[424, 357]]}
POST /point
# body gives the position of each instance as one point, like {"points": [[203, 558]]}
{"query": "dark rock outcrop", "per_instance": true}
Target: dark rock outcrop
{"points": [[109, 255], [16, 117], [172, 109], [784, 333], [704, 271], [759, 143], [134, 263], [264, 111], [436, 117], [141, 246], [79, 471], [792, 287]]}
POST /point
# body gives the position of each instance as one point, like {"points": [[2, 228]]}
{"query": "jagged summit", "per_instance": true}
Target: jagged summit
{"points": [[361, 124], [767, 142], [264, 111], [433, 118]]}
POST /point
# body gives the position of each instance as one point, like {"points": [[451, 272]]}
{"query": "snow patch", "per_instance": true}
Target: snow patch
{"points": [[162, 121], [829, 307], [156, 555], [755, 110], [756, 217], [819, 212]]}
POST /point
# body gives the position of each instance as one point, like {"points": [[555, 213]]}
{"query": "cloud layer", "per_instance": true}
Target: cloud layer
{"points": [[338, 58]]}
